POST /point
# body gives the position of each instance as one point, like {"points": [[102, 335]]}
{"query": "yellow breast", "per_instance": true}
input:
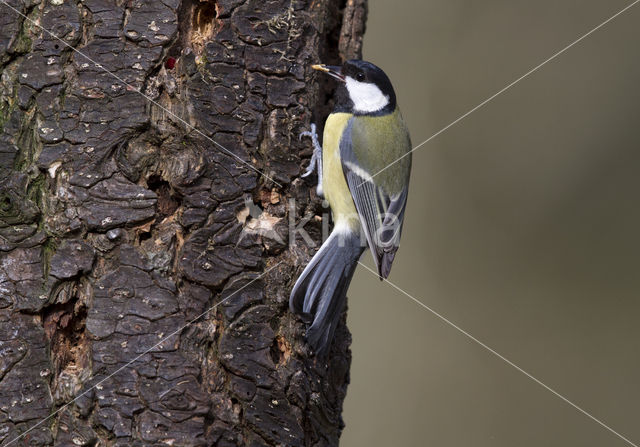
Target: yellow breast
{"points": [[334, 184]]}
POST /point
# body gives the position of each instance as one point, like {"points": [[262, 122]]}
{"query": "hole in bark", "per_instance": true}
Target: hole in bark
{"points": [[5, 204], [144, 236], [168, 200], [64, 327], [275, 352], [280, 350], [203, 24], [204, 16]]}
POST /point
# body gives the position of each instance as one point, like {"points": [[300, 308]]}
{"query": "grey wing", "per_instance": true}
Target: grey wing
{"points": [[381, 215]]}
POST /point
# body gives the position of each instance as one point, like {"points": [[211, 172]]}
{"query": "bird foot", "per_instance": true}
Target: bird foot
{"points": [[316, 158]]}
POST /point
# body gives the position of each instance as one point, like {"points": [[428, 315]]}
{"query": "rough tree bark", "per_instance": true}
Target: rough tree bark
{"points": [[120, 223]]}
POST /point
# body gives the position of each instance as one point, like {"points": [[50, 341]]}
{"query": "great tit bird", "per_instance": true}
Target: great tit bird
{"points": [[363, 171]]}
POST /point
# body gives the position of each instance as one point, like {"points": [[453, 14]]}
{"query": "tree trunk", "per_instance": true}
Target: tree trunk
{"points": [[145, 269]]}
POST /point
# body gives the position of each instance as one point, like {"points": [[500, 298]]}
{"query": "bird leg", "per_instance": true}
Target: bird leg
{"points": [[316, 158]]}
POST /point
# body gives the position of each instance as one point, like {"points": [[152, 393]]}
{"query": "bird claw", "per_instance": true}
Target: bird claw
{"points": [[309, 133], [316, 158], [312, 165], [309, 170], [306, 133]]}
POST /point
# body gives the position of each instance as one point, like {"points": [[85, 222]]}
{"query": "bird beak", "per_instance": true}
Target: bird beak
{"points": [[332, 70]]}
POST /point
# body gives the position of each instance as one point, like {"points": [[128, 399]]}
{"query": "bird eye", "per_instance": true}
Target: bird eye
{"points": [[360, 76]]}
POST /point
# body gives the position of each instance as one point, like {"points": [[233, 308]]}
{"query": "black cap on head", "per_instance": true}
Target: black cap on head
{"points": [[364, 72]]}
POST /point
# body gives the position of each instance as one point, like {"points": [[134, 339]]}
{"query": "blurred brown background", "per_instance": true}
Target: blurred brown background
{"points": [[522, 228]]}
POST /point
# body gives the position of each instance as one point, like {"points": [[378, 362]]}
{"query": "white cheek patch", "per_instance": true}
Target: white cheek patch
{"points": [[366, 97]]}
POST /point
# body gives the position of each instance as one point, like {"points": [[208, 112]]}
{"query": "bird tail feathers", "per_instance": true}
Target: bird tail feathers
{"points": [[320, 292]]}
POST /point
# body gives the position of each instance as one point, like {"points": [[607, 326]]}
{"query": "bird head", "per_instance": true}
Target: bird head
{"points": [[364, 88]]}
